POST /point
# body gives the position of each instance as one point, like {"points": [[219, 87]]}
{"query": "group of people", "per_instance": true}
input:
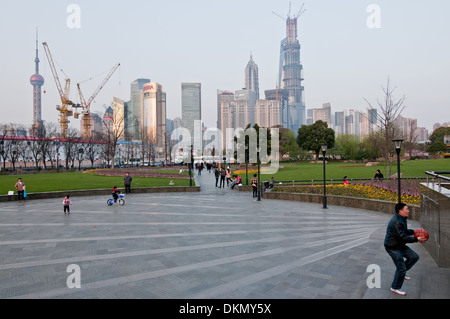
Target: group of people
{"points": [[21, 192], [378, 175], [223, 175]]}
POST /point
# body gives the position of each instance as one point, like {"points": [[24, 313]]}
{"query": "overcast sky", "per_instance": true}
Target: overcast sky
{"points": [[345, 58]]}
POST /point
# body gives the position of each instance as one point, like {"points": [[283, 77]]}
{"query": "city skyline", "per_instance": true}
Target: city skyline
{"points": [[344, 58]]}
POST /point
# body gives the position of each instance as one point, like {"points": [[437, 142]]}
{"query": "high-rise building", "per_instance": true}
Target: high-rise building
{"points": [[408, 127], [422, 135], [191, 112], [251, 77], [268, 113], [372, 115], [154, 114], [290, 75], [222, 97], [322, 114], [245, 104], [119, 118], [283, 97], [135, 109], [339, 123], [37, 81]]}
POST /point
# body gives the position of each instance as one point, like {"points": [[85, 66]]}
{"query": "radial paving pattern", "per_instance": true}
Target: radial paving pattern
{"points": [[217, 243]]}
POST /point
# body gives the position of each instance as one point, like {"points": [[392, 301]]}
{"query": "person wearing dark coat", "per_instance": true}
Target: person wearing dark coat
{"points": [[127, 183]]}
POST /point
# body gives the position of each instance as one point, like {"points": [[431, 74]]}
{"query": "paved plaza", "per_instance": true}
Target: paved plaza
{"points": [[215, 244]]}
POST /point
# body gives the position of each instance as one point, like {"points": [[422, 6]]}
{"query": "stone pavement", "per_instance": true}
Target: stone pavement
{"points": [[219, 243]]}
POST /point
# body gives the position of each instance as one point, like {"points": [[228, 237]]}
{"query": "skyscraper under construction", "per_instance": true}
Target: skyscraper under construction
{"points": [[290, 75]]}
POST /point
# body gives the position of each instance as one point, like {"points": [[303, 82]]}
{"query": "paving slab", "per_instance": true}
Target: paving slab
{"points": [[214, 244]]}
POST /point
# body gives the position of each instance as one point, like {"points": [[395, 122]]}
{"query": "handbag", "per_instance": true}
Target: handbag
{"points": [[24, 193]]}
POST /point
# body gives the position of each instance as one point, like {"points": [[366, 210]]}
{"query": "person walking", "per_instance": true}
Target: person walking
{"points": [[228, 177], [66, 205], [254, 183], [397, 236], [222, 178], [127, 183], [217, 175], [20, 187]]}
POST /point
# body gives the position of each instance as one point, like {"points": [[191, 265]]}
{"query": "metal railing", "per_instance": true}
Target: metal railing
{"points": [[436, 177], [313, 182]]}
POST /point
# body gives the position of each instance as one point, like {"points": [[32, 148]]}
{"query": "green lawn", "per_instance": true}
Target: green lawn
{"points": [[337, 170], [36, 183]]}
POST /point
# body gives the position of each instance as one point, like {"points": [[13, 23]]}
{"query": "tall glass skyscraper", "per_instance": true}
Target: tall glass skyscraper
{"points": [[191, 111], [251, 77], [135, 109], [290, 75], [154, 114]]}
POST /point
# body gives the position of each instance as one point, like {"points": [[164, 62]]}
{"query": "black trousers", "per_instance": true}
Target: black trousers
{"points": [[127, 189], [255, 191], [20, 195]]}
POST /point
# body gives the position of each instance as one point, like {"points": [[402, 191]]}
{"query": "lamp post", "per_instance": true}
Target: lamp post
{"points": [[246, 164], [191, 166], [398, 146], [324, 150], [259, 179]]}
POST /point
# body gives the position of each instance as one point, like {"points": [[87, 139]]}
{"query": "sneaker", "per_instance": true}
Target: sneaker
{"points": [[398, 292]]}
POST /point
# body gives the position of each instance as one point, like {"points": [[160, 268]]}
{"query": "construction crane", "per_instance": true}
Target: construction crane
{"points": [[86, 106], [65, 109]]}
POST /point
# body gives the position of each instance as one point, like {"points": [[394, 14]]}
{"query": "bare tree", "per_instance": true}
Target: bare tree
{"points": [[113, 132], [70, 146], [50, 148], [390, 110], [4, 131], [92, 149]]}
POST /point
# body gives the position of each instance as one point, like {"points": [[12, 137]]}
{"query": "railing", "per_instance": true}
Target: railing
{"points": [[339, 180], [436, 176]]}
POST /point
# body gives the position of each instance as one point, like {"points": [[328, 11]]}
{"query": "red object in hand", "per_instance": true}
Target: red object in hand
{"points": [[421, 233]]}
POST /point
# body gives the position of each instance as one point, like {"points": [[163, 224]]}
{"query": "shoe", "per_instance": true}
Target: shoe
{"points": [[407, 278], [398, 292]]}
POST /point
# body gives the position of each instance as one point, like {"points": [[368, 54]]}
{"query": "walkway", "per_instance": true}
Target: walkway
{"points": [[219, 243]]}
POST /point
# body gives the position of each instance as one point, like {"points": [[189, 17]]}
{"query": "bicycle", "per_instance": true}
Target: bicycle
{"points": [[120, 200]]}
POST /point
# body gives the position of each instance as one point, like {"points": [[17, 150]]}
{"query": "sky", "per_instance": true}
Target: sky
{"points": [[349, 49]]}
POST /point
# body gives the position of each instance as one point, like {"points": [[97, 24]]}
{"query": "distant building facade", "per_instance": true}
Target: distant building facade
{"points": [[191, 111]]}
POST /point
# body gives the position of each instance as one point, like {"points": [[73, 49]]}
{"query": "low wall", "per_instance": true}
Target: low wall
{"points": [[101, 192], [435, 218], [354, 202]]}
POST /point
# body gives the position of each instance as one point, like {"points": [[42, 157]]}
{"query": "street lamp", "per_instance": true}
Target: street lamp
{"points": [[246, 164], [259, 178], [191, 166], [398, 146], [324, 150]]}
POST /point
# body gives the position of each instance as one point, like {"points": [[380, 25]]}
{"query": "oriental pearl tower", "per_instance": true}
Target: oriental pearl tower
{"points": [[37, 81]]}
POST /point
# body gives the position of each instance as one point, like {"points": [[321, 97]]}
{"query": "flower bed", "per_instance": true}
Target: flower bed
{"points": [[377, 190]]}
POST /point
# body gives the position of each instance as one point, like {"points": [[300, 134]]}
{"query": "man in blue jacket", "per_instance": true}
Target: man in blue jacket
{"points": [[397, 236]]}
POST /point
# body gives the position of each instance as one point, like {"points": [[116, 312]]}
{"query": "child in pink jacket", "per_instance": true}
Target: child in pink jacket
{"points": [[66, 204]]}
